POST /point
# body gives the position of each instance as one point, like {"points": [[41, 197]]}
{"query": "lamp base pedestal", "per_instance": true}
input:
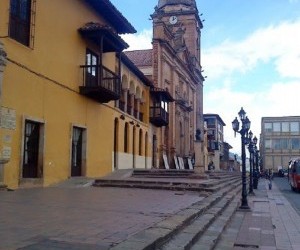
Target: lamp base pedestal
{"points": [[244, 208]]}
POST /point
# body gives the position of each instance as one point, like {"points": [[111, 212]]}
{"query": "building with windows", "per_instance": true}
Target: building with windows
{"points": [[72, 104], [279, 141], [174, 66], [218, 150]]}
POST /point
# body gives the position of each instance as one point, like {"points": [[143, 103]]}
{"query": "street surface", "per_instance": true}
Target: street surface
{"points": [[285, 189], [82, 218]]}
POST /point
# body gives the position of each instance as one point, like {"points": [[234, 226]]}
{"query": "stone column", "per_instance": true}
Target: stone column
{"points": [[199, 167], [3, 61], [125, 99]]}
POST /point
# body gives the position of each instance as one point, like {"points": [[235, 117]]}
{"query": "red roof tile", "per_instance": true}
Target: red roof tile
{"points": [[140, 57]]}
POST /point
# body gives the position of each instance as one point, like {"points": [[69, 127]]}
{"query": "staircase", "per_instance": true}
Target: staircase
{"points": [[197, 227], [177, 180]]}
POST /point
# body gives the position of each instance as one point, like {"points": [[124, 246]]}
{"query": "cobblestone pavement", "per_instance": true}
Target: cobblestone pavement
{"points": [[82, 218], [272, 223]]}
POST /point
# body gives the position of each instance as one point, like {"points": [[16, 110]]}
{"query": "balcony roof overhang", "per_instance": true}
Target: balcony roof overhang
{"points": [[103, 34], [162, 93]]}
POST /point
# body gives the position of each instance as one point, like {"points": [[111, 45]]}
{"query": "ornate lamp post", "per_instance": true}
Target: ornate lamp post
{"points": [[243, 132], [251, 159]]}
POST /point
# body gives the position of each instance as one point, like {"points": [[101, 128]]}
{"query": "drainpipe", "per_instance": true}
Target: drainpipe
{"points": [[3, 61]]}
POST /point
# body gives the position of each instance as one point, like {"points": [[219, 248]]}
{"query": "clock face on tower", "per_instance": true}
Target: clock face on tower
{"points": [[173, 19]]}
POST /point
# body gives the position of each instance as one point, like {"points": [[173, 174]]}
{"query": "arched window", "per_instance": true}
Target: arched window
{"points": [[129, 103]]}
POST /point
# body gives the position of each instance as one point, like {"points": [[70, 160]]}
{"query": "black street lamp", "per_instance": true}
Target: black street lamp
{"points": [[251, 160], [243, 131]]}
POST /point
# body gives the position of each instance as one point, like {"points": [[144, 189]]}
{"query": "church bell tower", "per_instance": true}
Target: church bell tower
{"points": [[176, 62], [181, 18]]}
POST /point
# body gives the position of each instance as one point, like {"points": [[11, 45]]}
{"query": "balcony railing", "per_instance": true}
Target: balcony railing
{"points": [[158, 116], [100, 83]]}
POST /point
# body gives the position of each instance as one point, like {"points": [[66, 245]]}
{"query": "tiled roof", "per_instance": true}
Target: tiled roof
{"points": [[140, 57], [107, 10], [135, 70], [96, 26]]}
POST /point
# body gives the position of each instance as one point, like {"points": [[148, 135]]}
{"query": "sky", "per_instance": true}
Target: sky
{"points": [[250, 53]]}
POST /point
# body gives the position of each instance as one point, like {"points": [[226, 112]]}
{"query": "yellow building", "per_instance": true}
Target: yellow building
{"points": [[63, 108]]}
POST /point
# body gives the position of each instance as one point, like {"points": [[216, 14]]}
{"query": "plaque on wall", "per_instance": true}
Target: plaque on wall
{"points": [[6, 152], [7, 118]]}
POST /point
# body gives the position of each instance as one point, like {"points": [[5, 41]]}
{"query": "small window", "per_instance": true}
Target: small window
{"points": [[91, 78], [92, 62], [295, 127], [276, 127], [268, 144], [210, 121], [295, 143], [19, 21], [276, 144], [268, 127], [284, 144]]}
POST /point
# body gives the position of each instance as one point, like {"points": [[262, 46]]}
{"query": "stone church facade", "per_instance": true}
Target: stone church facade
{"points": [[174, 66]]}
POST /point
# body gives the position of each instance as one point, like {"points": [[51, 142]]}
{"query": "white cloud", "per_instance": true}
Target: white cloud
{"points": [[280, 100], [139, 41], [276, 45], [279, 43]]}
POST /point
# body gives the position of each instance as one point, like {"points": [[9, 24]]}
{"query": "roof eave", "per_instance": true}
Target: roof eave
{"points": [[107, 10]]}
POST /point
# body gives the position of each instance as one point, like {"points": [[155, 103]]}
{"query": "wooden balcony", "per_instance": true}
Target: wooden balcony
{"points": [[100, 84], [159, 117]]}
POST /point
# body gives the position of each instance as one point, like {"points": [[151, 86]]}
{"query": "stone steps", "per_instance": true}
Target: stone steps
{"points": [[199, 230], [211, 236], [170, 184], [187, 225], [163, 171]]}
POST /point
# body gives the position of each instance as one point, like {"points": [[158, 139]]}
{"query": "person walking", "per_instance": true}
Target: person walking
{"points": [[270, 177]]}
